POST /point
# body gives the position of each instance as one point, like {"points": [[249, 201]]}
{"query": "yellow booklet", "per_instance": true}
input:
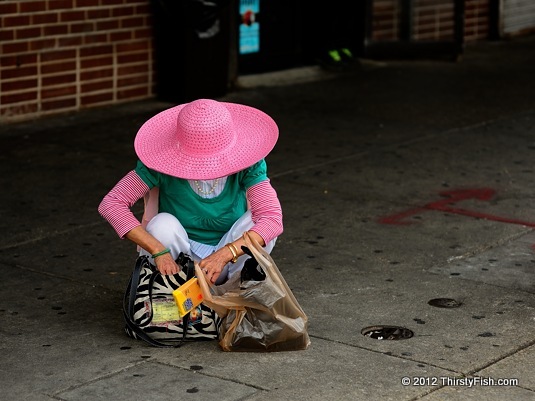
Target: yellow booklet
{"points": [[188, 296]]}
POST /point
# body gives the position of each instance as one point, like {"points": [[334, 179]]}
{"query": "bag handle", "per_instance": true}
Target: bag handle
{"points": [[128, 304]]}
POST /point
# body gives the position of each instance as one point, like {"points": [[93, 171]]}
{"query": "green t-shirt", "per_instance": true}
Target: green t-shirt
{"points": [[205, 220]]}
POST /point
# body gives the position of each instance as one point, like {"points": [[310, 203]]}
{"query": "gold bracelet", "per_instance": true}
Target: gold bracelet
{"points": [[234, 252]]}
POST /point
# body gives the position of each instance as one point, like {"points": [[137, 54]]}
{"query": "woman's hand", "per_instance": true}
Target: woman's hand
{"points": [[213, 264], [166, 265]]}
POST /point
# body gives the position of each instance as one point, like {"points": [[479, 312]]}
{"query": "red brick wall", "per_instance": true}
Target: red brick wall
{"points": [[476, 25], [433, 20], [65, 55], [385, 23]]}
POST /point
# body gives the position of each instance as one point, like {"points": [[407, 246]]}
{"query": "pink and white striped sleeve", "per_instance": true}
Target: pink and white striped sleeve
{"points": [[266, 210], [115, 206]]}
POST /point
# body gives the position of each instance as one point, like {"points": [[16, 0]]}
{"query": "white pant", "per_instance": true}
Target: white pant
{"points": [[169, 231]]}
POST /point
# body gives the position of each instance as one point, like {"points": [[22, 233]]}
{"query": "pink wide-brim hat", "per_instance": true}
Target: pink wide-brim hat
{"points": [[205, 139]]}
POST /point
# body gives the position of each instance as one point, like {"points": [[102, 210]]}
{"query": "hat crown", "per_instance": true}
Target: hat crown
{"points": [[205, 127]]}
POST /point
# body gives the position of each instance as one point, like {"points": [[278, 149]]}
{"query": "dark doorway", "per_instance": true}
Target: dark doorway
{"points": [[294, 33]]}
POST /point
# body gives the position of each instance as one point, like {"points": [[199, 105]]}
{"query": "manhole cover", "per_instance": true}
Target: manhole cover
{"points": [[387, 332], [445, 303]]}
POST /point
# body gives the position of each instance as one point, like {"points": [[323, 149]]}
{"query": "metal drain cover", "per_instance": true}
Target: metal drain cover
{"points": [[387, 332], [445, 303]]}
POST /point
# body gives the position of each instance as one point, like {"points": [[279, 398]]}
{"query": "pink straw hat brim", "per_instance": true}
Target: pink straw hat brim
{"points": [[157, 144]]}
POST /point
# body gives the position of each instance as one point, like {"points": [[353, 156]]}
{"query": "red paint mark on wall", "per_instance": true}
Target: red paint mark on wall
{"points": [[449, 205]]}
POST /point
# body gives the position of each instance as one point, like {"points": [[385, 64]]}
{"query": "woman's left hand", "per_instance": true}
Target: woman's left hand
{"points": [[213, 265]]}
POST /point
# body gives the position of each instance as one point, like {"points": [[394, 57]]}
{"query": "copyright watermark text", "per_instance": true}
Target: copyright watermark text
{"points": [[457, 381]]}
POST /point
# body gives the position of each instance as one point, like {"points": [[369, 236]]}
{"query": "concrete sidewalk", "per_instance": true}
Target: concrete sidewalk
{"points": [[401, 182]]}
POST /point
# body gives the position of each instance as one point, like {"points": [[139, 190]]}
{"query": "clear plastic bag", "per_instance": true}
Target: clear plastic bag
{"points": [[257, 315]]}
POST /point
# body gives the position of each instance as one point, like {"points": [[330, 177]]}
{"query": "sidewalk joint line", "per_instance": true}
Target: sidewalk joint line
{"points": [[507, 355], [58, 276], [386, 147], [213, 376], [96, 379], [382, 353], [49, 235]]}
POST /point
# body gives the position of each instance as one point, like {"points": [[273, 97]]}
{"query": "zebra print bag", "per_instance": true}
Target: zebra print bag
{"points": [[150, 311]]}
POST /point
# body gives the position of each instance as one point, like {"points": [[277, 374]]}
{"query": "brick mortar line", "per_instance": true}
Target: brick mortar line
{"points": [[83, 70], [76, 34], [68, 96], [78, 82], [77, 9]]}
